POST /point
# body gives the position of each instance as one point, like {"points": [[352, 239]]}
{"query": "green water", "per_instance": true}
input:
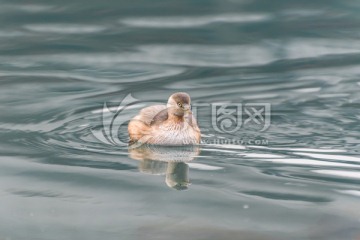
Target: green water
{"points": [[60, 61]]}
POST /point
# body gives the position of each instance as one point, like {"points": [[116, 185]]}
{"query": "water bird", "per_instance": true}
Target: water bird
{"points": [[170, 124]]}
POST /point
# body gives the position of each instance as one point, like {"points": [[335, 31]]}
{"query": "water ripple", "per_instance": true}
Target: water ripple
{"points": [[331, 157], [126, 72], [63, 28], [30, 8], [340, 173], [312, 48], [193, 21]]}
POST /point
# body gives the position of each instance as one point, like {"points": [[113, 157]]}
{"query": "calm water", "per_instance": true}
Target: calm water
{"points": [[60, 61]]}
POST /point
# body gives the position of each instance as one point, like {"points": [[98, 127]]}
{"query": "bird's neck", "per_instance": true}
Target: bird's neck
{"points": [[176, 116]]}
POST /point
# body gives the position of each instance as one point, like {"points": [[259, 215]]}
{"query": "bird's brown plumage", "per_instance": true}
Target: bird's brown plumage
{"points": [[171, 124]]}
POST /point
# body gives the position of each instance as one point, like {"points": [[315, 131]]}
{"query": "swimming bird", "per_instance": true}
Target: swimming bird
{"points": [[170, 124]]}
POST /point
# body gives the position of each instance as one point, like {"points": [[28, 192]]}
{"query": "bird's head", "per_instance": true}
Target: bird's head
{"points": [[179, 103]]}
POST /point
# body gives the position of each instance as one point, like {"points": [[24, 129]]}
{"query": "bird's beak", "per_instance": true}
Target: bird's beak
{"points": [[187, 107]]}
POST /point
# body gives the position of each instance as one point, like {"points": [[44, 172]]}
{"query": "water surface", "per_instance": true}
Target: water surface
{"points": [[60, 61]]}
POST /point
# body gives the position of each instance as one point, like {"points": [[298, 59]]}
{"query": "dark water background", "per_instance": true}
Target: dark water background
{"points": [[60, 61]]}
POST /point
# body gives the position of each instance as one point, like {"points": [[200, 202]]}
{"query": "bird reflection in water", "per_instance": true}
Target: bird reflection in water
{"points": [[171, 161]]}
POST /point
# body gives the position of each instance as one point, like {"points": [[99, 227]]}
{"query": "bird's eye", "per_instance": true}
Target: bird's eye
{"points": [[179, 104]]}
